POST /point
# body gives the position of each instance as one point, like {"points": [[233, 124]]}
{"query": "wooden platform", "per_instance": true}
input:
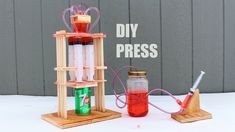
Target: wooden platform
{"points": [[192, 112], [79, 35], [74, 120], [184, 118], [70, 84]]}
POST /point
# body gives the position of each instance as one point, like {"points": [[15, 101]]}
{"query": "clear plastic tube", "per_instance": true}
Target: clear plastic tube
{"points": [[64, 19], [116, 76], [90, 61], [78, 61], [84, 61], [71, 62], [97, 17]]}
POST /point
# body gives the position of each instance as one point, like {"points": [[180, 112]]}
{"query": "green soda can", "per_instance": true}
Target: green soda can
{"points": [[83, 101]]}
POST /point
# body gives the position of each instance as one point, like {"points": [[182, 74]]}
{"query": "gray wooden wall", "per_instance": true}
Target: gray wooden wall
{"points": [[192, 35]]}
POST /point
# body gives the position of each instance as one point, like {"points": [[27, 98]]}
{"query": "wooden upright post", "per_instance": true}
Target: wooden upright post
{"points": [[61, 75], [99, 75], [102, 85]]}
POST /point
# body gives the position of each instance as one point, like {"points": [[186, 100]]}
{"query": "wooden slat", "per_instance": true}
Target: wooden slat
{"points": [[229, 52], [176, 45], [102, 75], [64, 78], [96, 73], [29, 47], [80, 35], [57, 75], [74, 68], [7, 48], [208, 43], [78, 84]]}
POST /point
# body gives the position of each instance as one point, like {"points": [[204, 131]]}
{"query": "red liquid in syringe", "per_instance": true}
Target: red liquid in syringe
{"points": [[82, 28], [137, 103]]}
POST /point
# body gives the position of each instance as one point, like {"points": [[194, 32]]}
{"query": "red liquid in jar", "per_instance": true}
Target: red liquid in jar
{"points": [[137, 104]]}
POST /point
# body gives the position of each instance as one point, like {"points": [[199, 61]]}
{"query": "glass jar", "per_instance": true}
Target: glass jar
{"points": [[137, 88]]}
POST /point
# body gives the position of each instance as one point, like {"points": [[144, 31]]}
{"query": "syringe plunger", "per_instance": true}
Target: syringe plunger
{"points": [[196, 83]]}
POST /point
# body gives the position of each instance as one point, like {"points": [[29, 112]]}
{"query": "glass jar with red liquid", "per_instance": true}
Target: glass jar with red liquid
{"points": [[137, 89]]}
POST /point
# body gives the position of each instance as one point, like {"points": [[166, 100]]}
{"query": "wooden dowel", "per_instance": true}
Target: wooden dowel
{"points": [[102, 74], [95, 76], [61, 78], [60, 95], [75, 68], [99, 74], [57, 62], [61, 74], [64, 78]]}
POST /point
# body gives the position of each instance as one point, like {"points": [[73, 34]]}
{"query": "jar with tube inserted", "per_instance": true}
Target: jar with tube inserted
{"points": [[137, 88]]}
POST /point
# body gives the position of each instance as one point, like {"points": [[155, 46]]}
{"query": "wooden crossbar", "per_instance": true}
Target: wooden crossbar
{"points": [[74, 68]]}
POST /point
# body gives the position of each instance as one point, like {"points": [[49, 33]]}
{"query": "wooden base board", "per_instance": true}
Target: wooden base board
{"points": [[74, 120], [185, 118]]}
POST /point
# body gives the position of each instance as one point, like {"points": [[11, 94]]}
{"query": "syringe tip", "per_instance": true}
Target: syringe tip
{"points": [[202, 72]]}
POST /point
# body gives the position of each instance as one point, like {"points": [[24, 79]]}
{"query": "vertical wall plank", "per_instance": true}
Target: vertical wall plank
{"points": [[147, 15], [176, 45], [229, 52], [51, 22], [29, 47], [7, 48], [113, 12], [208, 43]]}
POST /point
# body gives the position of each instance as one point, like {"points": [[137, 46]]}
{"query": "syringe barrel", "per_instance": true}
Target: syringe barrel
{"points": [[90, 61], [71, 62], [78, 61], [196, 83]]}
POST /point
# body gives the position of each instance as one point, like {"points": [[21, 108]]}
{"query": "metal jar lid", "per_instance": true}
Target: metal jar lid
{"points": [[137, 73]]}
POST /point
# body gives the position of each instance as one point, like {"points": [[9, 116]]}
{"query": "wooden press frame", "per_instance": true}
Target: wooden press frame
{"points": [[61, 68], [68, 118]]}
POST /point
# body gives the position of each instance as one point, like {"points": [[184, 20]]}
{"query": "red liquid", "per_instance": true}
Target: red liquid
{"points": [[137, 104], [82, 28]]}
